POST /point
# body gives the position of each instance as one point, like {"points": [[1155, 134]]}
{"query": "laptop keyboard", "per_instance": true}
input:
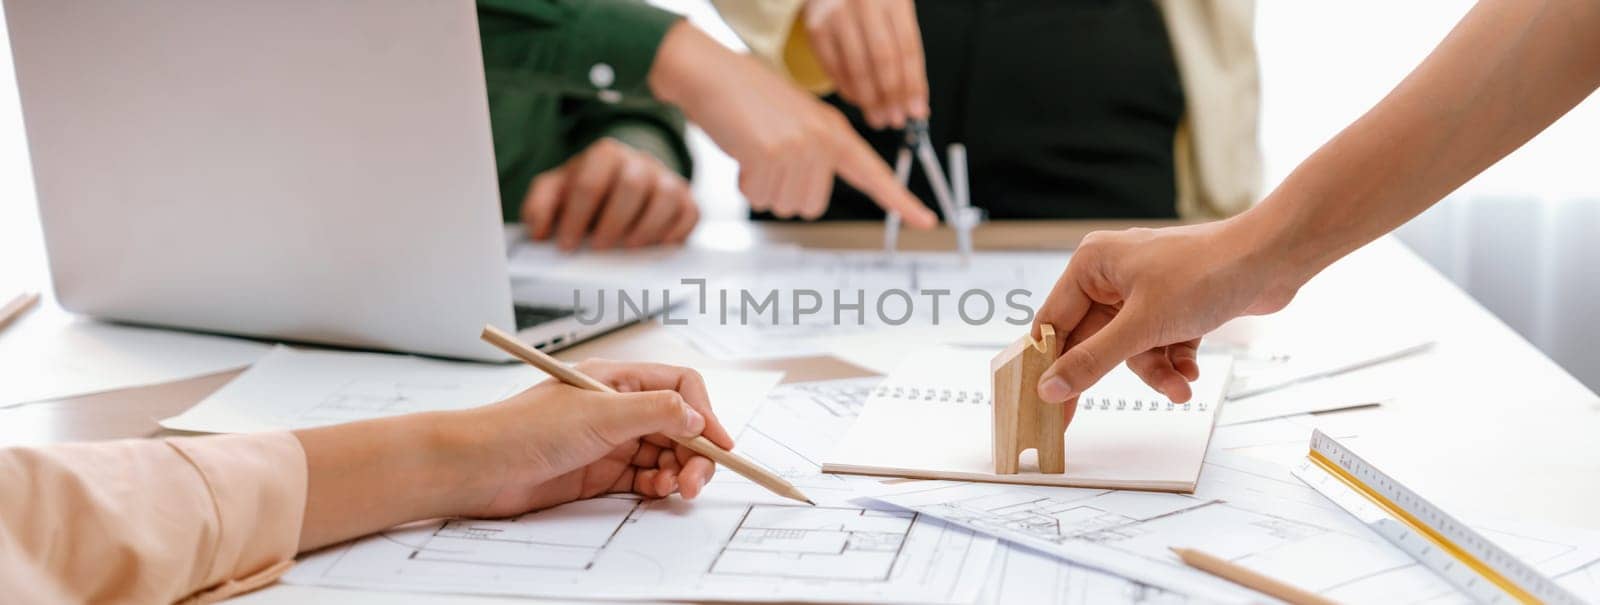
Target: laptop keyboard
{"points": [[528, 316]]}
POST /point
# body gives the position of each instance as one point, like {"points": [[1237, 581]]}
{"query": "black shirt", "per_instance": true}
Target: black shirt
{"points": [[1068, 108]]}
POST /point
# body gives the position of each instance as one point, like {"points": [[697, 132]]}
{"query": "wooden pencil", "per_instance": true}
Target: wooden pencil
{"points": [[16, 307], [1227, 570], [739, 464]]}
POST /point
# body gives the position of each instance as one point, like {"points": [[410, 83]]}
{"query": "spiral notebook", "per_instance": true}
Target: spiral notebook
{"points": [[931, 419]]}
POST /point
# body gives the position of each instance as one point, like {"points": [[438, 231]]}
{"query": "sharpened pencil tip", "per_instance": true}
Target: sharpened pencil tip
{"points": [[808, 501]]}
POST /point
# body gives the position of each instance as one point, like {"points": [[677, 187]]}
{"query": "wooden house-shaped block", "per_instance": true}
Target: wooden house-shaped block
{"points": [[1021, 419]]}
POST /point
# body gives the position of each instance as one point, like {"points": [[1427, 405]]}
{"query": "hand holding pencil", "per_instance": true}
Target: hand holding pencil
{"points": [[699, 444], [548, 445]]}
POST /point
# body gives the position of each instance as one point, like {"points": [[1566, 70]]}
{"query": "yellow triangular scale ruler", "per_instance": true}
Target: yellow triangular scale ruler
{"points": [[1461, 555]]}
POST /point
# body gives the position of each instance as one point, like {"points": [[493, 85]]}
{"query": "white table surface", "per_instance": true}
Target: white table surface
{"points": [[1483, 421]]}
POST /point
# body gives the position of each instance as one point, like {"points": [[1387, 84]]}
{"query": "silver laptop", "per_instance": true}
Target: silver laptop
{"points": [[298, 169]]}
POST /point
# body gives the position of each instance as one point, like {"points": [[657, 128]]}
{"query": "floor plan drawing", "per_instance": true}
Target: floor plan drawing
{"points": [[729, 544], [1022, 575], [797, 425], [1250, 511], [569, 537], [816, 542], [1139, 522]]}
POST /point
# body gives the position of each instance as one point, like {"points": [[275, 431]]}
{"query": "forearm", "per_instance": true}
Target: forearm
{"points": [[1507, 71], [680, 67], [542, 447], [368, 476]]}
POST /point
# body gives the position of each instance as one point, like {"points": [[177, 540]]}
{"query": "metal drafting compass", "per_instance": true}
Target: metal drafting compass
{"points": [[952, 195]]}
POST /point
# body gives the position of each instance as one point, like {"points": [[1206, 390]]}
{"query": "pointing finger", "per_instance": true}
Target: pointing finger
{"points": [[860, 166]]}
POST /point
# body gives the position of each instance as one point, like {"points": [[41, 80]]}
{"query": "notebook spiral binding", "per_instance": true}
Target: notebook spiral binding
{"points": [[1091, 402], [934, 394], [1087, 402]]}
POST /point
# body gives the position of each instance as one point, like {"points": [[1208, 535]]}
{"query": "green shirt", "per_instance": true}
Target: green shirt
{"points": [[564, 73]]}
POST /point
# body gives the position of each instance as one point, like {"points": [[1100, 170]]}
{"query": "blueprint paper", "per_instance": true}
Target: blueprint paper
{"points": [[726, 545], [798, 425], [49, 354], [1022, 575], [804, 419], [1250, 512], [292, 389], [1073, 524], [736, 542], [795, 427], [802, 422]]}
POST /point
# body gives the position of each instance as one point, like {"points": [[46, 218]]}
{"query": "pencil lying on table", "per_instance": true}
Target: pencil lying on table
{"points": [[1227, 570], [19, 305], [699, 444]]}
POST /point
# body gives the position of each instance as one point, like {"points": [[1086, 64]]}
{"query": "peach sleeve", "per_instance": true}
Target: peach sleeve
{"points": [[195, 519]]}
